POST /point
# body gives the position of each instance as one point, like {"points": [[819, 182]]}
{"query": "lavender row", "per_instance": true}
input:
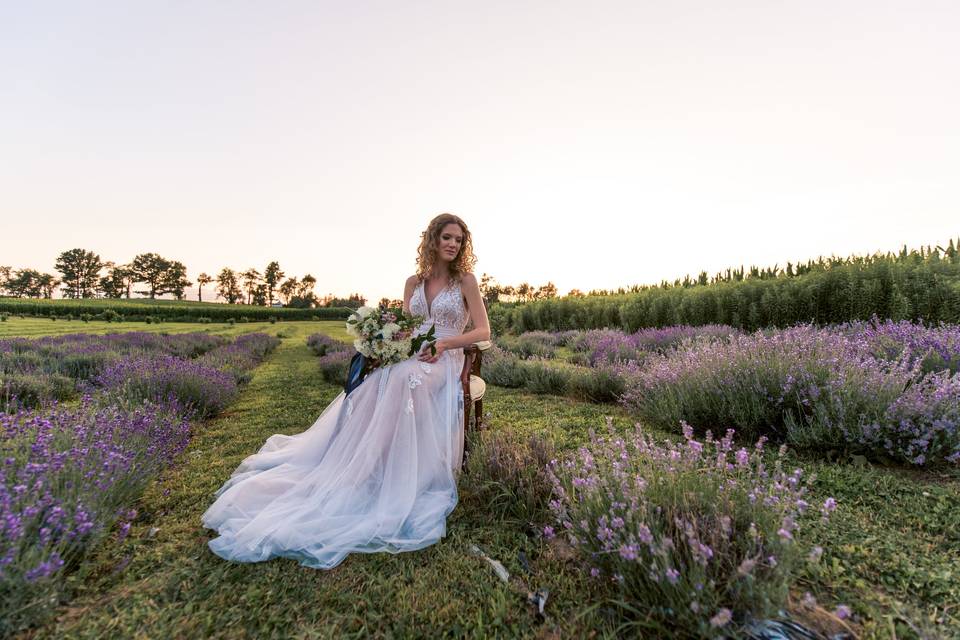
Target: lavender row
{"points": [[70, 475], [50, 368], [886, 389]]}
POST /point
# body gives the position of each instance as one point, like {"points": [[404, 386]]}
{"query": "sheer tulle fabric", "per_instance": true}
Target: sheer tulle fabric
{"points": [[377, 471]]}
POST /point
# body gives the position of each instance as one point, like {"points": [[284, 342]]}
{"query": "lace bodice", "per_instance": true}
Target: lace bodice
{"points": [[447, 311]]}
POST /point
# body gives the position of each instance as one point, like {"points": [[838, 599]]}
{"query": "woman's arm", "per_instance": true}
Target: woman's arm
{"points": [[408, 288]]}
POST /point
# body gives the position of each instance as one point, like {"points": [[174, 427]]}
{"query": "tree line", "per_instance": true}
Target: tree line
{"points": [[83, 274], [919, 285]]}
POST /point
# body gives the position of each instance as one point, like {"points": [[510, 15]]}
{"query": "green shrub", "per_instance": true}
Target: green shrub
{"points": [[273, 319], [543, 379], [86, 317], [110, 315], [600, 384], [506, 473], [231, 321], [204, 320], [4, 316], [24, 390]]}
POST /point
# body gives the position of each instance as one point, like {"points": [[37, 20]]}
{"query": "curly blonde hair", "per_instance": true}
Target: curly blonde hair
{"points": [[427, 254]]}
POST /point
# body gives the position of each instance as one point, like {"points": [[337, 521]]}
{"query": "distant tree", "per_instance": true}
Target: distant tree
{"points": [[390, 304], [47, 283], [114, 284], [150, 269], [4, 276], [272, 276], [575, 293], [175, 280], [355, 301], [251, 277], [202, 280], [160, 275], [24, 283], [524, 291], [548, 290], [305, 288], [228, 287], [260, 295], [80, 270], [489, 289], [288, 289]]}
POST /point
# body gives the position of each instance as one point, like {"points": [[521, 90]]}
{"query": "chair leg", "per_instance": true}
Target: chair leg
{"points": [[478, 419]]}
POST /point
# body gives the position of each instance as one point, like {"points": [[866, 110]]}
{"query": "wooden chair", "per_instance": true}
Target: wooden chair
{"points": [[473, 385]]}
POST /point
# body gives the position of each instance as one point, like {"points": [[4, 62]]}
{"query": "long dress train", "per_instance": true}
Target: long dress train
{"points": [[377, 471]]}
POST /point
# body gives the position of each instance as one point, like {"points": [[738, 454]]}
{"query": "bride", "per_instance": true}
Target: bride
{"points": [[378, 469]]}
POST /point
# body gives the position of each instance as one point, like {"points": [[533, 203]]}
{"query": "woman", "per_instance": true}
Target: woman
{"points": [[377, 471]]}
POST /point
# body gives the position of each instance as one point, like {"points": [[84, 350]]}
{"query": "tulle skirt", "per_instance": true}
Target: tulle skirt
{"points": [[377, 471]]}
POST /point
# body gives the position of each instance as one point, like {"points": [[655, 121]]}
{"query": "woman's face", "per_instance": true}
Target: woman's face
{"points": [[451, 239]]}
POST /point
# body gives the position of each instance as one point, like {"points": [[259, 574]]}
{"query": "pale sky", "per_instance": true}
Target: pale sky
{"points": [[595, 145]]}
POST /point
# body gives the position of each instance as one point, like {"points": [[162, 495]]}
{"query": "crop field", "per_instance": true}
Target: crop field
{"points": [[882, 565]]}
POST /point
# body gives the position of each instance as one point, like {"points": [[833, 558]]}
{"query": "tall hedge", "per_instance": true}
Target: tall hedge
{"points": [[169, 310], [913, 287]]}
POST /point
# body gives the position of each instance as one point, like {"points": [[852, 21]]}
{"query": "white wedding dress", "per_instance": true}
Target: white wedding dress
{"points": [[377, 471]]}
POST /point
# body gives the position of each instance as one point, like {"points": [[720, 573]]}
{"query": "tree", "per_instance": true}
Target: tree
{"points": [[305, 288], [47, 282], [117, 281], [272, 276], [548, 290], [260, 295], [161, 275], [151, 269], [288, 289], [24, 283], [202, 280], [355, 301], [489, 289], [175, 280], [251, 277], [228, 287], [80, 270]]}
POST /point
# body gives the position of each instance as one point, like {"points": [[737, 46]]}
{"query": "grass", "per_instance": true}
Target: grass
{"points": [[890, 549]]}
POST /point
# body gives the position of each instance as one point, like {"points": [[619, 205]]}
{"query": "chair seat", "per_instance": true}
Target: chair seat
{"points": [[477, 388]]}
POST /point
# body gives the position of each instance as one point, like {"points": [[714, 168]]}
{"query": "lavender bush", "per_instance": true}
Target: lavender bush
{"points": [[334, 365], [321, 344], [201, 389], [815, 388], [68, 476], [696, 537]]}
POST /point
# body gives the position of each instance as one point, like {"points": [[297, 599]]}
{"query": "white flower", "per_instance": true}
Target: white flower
{"points": [[363, 312], [389, 329]]}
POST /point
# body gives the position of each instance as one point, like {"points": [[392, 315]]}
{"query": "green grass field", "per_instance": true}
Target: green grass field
{"points": [[890, 550]]}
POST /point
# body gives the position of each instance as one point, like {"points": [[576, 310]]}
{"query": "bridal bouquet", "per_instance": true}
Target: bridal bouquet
{"points": [[385, 336]]}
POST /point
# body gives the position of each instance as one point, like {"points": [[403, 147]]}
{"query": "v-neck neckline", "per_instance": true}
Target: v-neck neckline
{"points": [[429, 303]]}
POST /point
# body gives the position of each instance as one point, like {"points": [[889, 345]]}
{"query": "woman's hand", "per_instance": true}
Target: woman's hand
{"points": [[425, 356]]}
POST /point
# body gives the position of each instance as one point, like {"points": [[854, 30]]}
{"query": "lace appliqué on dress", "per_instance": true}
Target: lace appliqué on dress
{"points": [[426, 367], [447, 310], [415, 380], [409, 408]]}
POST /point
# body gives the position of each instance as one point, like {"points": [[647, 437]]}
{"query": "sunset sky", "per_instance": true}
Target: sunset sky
{"points": [[594, 145]]}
